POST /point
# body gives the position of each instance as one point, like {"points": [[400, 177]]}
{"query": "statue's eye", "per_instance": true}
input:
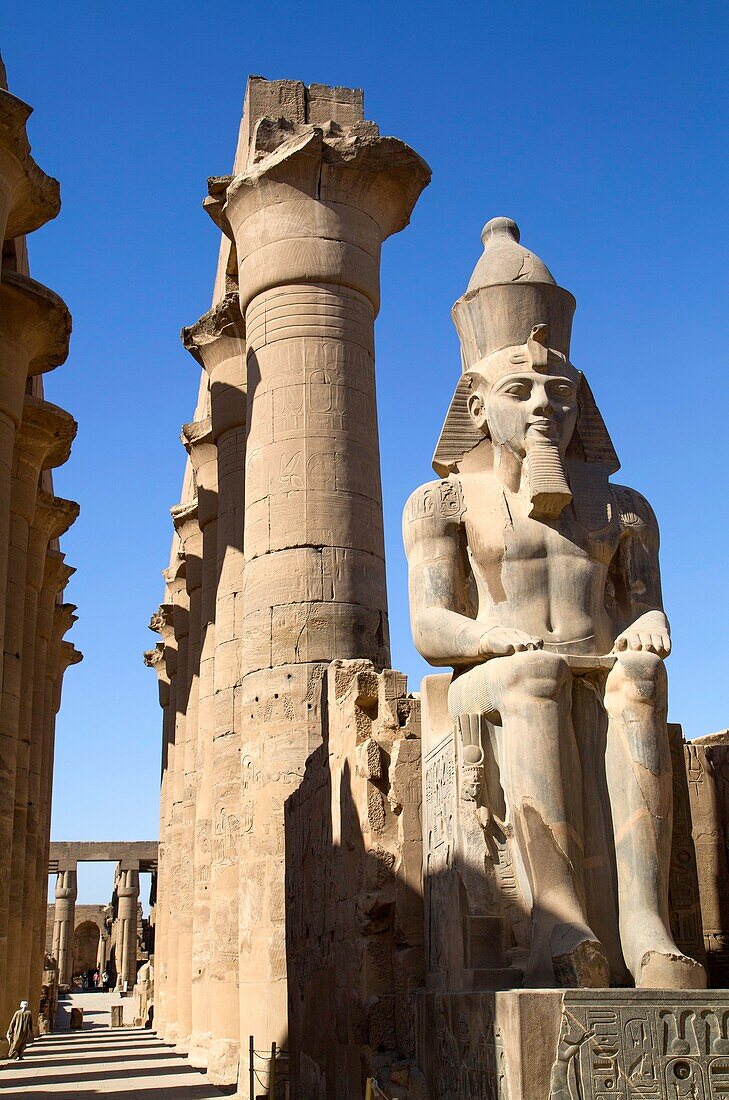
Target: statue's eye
{"points": [[519, 390], [564, 391]]}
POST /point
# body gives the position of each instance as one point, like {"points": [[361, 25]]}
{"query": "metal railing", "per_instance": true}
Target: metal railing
{"points": [[255, 1057]]}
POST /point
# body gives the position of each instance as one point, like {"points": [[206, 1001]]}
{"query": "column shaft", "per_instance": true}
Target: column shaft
{"points": [[127, 891], [186, 522], [173, 851], [203, 456], [308, 218], [35, 328], [217, 343], [63, 926], [55, 578]]}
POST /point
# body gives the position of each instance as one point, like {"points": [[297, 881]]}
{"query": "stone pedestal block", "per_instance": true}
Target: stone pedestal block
{"points": [[575, 1044]]}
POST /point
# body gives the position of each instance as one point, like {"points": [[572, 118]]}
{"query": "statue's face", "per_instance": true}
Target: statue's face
{"points": [[524, 407]]}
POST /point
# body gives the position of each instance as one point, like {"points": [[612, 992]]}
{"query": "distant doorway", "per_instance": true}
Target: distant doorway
{"points": [[85, 947]]}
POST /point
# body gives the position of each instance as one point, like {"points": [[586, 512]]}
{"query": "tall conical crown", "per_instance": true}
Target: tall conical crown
{"points": [[510, 292], [511, 295]]}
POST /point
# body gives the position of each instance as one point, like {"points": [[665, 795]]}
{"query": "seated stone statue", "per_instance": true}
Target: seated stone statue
{"points": [[530, 571]]}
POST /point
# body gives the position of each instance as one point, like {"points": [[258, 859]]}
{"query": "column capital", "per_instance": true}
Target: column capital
{"points": [[197, 439], [315, 204], [38, 318], [57, 573], [216, 336], [67, 882], [187, 525], [63, 619], [30, 197], [54, 515], [68, 656], [46, 433], [162, 622], [155, 658], [217, 342]]}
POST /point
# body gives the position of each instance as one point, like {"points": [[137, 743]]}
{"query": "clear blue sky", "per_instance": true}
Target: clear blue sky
{"points": [[601, 128]]}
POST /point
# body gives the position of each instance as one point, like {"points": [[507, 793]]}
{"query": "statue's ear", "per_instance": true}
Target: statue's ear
{"points": [[591, 441]]}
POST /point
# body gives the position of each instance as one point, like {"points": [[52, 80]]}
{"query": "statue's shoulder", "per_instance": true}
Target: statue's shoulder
{"points": [[436, 505], [633, 509]]}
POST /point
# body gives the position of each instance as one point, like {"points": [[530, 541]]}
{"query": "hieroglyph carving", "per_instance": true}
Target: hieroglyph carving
{"points": [[618, 1044]]}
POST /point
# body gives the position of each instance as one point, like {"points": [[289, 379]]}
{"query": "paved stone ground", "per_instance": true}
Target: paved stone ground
{"points": [[125, 1062]]}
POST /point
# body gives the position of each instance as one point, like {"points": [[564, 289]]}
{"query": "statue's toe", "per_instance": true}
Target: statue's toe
{"points": [[669, 970]]}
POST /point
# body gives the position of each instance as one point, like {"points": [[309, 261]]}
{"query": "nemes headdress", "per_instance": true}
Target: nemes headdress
{"points": [[513, 301]]}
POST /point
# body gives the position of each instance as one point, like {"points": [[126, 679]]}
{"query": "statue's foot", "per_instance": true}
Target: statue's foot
{"points": [[578, 958], [669, 970], [586, 967]]}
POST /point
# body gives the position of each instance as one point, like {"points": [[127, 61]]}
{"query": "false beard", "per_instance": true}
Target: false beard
{"points": [[544, 481]]}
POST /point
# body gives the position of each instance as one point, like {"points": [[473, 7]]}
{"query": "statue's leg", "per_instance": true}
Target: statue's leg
{"points": [[530, 695], [641, 797]]}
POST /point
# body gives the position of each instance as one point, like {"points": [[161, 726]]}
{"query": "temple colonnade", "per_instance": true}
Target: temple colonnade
{"points": [[35, 438]]}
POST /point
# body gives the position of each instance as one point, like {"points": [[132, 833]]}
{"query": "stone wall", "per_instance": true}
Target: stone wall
{"points": [[354, 915]]}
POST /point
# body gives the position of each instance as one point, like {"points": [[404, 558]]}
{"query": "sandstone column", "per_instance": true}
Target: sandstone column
{"points": [[308, 217], [63, 924], [198, 440], [163, 623], [34, 332], [185, 519], [43, 442], [172, 849], [61, 654], [55, 578], [707, 770], [217, 342], [28, 197], [127, 892]]}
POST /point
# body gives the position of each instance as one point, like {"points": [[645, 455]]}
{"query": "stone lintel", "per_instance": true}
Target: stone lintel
{"points": [[132, 854], [36, 317], [35, 198]]}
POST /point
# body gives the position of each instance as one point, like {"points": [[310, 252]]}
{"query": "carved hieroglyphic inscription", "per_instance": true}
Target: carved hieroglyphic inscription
{"points": [[649, 1043], [439, 783]]}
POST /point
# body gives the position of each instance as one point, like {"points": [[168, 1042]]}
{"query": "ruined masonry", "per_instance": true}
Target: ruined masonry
{"points": [[381, 882], [35, 438]]}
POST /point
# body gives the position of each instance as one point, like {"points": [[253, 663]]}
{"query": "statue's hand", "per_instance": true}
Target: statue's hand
{"points": [[649, 633], [501, 641]]}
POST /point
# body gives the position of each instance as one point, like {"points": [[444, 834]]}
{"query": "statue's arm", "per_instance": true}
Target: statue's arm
{"points": [[444, 629], [641, 622]]}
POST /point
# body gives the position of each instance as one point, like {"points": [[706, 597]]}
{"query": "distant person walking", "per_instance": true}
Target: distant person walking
{"points": [[20, 1031], [105, 981], [96, 979]]}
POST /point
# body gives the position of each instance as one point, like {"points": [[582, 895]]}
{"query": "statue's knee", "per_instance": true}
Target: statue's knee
{"points": [[637, 676], [536, 674]]}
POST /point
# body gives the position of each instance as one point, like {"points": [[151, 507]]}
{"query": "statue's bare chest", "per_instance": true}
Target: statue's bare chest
{"points": [[498, 528]]}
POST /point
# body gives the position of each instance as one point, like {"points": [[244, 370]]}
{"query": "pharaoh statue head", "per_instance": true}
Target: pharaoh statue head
{"points": [[518, 389]]}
